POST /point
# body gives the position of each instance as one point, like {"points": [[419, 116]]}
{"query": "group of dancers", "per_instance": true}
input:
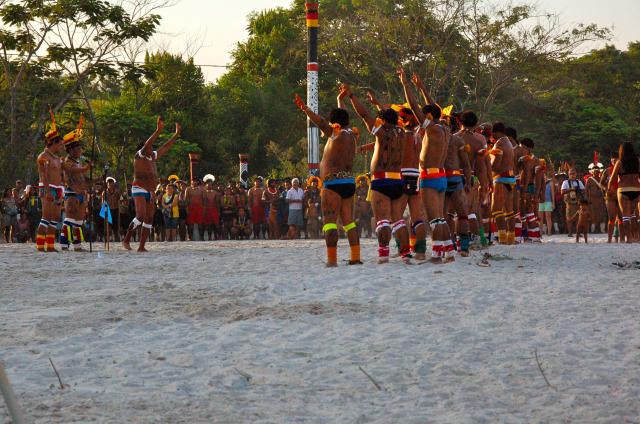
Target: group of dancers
{"points": [[447, 169], [464, 180]]}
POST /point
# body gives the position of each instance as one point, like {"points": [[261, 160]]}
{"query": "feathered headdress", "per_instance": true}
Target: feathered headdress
{"points": [[53, 132], [447, 112], [313, 178], [75, 135]]}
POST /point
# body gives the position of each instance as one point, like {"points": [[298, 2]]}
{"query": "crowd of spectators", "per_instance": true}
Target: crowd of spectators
{"points": [[287, 208]]}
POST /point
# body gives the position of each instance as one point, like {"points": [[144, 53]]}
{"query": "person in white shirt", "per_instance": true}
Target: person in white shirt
{"points": [[572, 190], [295, 198]]}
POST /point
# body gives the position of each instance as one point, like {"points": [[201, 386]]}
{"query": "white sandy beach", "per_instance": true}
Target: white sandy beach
{"points": [[261, 332]]}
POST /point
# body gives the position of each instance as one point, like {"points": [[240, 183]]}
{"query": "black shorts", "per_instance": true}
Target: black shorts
{"points": [[393, 189], [345, 191], [410, 185]]}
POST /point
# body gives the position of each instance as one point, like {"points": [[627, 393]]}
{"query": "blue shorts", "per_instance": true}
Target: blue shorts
{"points": [[455, 183], [137, 191], [438, 184], [68, 194]]}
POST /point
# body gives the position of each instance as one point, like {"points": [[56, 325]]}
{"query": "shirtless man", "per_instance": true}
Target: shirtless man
{"points": [[271, 198], [529, 166], [112, 197], [211, 207], [145, 179], [502, 164], [476, 148], [516, 222], [458, 171], [409, 172], [195, 208], [75, 194], [51, 189], [611, 201], [387, 187], [258, 218], [433, 179], [595, 195], [336, 173]]}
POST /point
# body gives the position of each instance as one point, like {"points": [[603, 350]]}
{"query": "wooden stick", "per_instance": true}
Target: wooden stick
{"points": [[375, 383], [10, 398], [244, 374], [542, 371], [58, 375]]}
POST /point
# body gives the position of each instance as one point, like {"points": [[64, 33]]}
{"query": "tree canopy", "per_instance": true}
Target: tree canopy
{"points": [[513, 63]]}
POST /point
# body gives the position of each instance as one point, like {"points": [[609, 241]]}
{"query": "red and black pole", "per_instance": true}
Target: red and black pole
{"points": [[313, 133]]}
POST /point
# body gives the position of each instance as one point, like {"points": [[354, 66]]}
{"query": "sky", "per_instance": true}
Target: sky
{"points": [[219, 25]]}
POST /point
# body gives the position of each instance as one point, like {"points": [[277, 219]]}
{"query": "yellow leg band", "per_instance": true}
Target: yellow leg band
{"points": [[329, 227], [349, 227]]}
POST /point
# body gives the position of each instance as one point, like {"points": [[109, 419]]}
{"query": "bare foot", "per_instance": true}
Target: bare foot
{"points": [[420, 256], [436, 261], [448, 260], [331, 265], [126, 245], [52, 250], [383, 261], [464, 254], [142, 249], [79, 249], [355, 263]]}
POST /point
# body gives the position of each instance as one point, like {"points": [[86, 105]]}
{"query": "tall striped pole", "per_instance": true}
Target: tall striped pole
{"points": [[313, 133], [244, 170]]}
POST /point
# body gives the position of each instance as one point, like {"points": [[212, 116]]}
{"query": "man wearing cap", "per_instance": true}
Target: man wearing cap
{"points": [[51, 188], [145, 179], [76, 192]]}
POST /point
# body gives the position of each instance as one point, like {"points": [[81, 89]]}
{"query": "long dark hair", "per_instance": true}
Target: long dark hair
{"points": [[629, 162]]}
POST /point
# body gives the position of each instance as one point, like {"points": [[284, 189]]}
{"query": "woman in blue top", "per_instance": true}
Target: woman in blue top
{"points": [[547, 204]]}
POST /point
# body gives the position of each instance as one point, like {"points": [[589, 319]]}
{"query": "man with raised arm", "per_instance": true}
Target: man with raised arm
{"points": [[145, 180], [409, 172], [336, 173], [387, 188], [433, 180]]}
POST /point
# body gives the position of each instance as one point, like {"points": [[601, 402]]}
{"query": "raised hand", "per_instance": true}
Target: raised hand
{"points": [[415, 79], [298, 101], [371, 96], [346, 89], [403, 76], [160, 124]]}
